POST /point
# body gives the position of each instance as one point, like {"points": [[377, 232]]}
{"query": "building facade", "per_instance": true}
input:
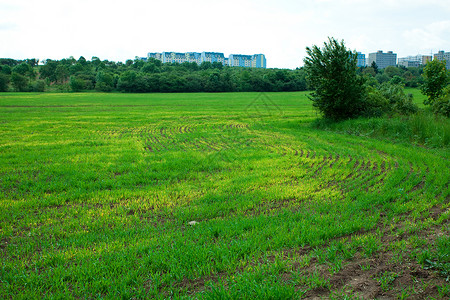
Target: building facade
{"points": [[383, 60], [413, 61], [239, 60], [194, 57], [259, 61], [441, 55], [234, 60], [154, 55], [360, 60]]}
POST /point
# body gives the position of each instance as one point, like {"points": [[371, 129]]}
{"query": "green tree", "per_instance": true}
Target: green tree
{"points": [[374, 66], [4, 81], [33, 62], [48, 70], [397, 80], [442, 104], [19, 82], [62, 73], [77, 84], [338, 92], [392, 71], [369, 71], [206, 65], [436, 78], [5, 69], [24, 69], [104, 81], [38, 86], [150, 68]]}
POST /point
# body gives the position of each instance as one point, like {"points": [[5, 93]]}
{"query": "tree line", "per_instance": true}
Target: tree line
{"points": [[139, 76]]}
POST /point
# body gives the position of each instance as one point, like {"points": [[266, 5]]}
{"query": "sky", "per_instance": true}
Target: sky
{"points": [[280, 29]]}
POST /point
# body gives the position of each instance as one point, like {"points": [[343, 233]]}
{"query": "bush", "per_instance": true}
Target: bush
{"points": [[436, 79], [331, 72], [423, 128], [442, 104], [376, 104], [76, 84], [397, 80], [103, 87], [4, 81], [398, 101], [38, 86], [19, 82]]}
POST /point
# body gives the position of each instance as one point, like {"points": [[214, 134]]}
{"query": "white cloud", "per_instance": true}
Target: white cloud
{"points": [[119, 30], [434, 36]]}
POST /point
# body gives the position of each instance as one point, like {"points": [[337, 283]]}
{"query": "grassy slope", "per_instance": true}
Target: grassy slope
{"points": [[96, 192]]}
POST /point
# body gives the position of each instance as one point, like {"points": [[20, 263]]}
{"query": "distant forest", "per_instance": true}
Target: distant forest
{"points": [[152, 76]]}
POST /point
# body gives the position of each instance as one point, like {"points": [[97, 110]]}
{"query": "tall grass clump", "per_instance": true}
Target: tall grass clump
{"points": [[422, 128]]}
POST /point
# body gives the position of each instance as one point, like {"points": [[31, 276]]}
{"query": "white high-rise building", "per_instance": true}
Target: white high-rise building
{"points": [[413, 61], [383, 60], [441, 55]]}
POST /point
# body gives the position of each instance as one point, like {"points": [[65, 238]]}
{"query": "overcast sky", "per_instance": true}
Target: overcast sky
{"points": [[281, 29]]}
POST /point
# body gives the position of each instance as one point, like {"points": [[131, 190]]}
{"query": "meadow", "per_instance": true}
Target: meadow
{"points": [[213, 196]]}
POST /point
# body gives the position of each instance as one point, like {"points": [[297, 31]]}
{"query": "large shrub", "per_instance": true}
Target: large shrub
{"points": [[436, 79], [442, 104], [398, 101], [77, 84], [338, 92], [19, 82], [4, 81]]}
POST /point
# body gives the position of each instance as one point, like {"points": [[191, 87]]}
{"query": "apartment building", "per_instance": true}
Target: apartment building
{"points": [[259, 61], [383, 60], [441, 55], [234, 60], [414, 61], [360, 60]]}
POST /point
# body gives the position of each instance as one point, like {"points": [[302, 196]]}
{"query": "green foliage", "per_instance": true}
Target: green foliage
{"points": [[398, 101], [5, 69], [376, 103], [338, 92], [105, 82], [436, 78], [154, 76], [423, 128], [19, 82], [438, 258], [374, 66], [442, 104], [369, 71], [23, 69], [392, 71], [382, 78], [397, 80], [38, 86], [62, 73], [388, 98], [4, 81], [386, 279], [77, 84], [131, 81], [48, 70]]}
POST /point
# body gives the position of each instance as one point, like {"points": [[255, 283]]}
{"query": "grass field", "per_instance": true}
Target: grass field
{"points": [[98, 193]]}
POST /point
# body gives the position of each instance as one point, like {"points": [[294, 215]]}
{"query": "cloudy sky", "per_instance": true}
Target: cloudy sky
{"points": [[281, 29]]}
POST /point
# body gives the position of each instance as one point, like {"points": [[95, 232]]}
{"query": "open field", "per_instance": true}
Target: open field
{"points": [[97, 192]]}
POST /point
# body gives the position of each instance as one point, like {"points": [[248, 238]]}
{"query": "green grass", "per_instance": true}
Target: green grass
{"points": [[423, 128], [97, 190]]}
